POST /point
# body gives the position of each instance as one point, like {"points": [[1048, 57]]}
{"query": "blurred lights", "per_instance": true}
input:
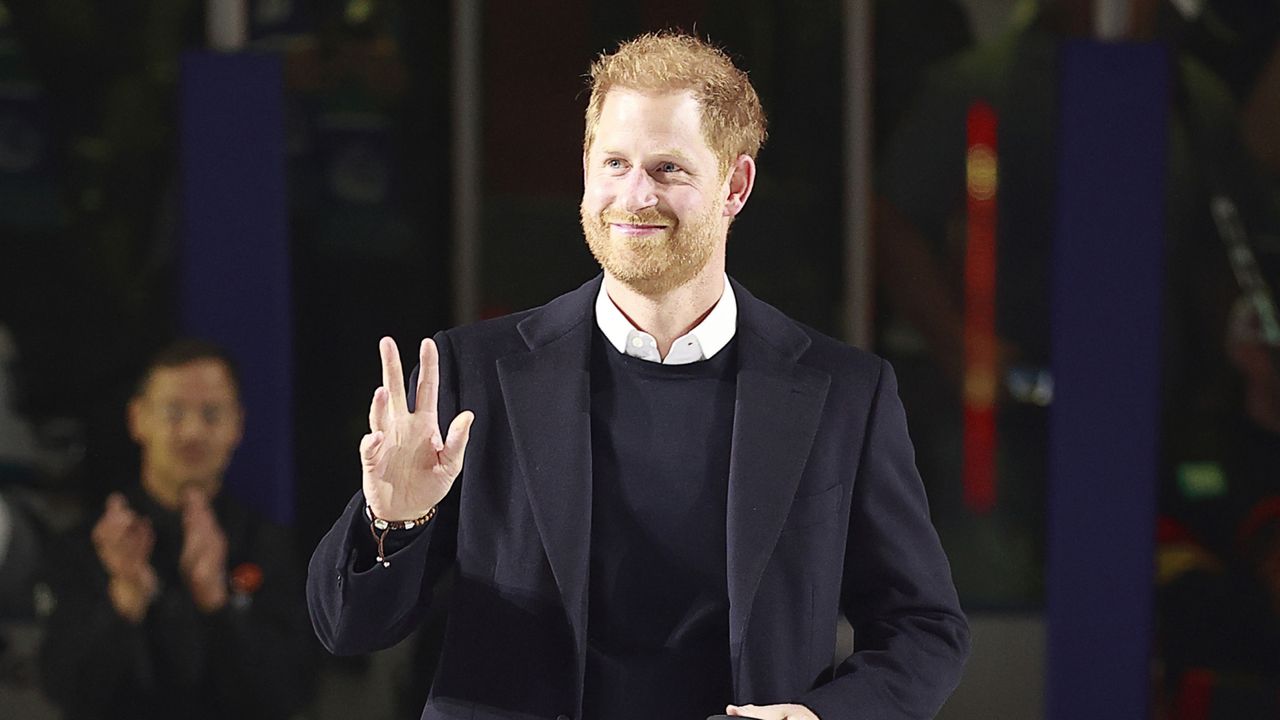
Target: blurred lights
{"points": [[358, 12]]}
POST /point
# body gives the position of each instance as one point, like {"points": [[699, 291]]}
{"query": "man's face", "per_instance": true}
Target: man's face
{"points": [[188, 422], [653, 203]]}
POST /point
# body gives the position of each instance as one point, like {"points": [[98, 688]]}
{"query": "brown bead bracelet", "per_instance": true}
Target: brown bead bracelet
{"points": [[379, 529]]}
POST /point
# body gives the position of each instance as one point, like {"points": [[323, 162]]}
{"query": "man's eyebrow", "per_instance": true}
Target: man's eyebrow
{"points": [[676, 155], [672, 153]]}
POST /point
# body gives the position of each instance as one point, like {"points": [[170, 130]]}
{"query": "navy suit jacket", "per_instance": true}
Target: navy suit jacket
{"points": [[826, 516]]}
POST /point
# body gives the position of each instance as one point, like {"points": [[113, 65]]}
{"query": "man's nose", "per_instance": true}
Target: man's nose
{"points": [[639, 191], [190, 426]]}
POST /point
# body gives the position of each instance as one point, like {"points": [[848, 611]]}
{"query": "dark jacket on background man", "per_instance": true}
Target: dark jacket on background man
{"points": [[251, 659]]}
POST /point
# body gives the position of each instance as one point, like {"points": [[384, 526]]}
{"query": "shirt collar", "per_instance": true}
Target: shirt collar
{"points": [[701, 343]]}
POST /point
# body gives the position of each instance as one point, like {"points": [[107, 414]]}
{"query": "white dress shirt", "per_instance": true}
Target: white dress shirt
{"points": [[701, 343]]}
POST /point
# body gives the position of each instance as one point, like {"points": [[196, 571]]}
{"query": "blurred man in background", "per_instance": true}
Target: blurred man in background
{"points": [[178, 601]]}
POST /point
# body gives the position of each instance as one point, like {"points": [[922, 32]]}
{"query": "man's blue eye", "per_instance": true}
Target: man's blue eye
{"points": [[668, 167]]}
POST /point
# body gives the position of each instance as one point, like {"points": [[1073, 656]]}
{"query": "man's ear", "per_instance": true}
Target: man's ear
{"points": [[742, 178], [133, 418]]}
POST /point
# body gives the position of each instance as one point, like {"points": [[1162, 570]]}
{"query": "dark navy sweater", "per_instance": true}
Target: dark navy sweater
{"points": [[658, 611]]}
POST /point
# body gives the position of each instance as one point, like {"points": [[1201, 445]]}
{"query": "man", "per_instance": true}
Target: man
{"points": [[180, 602], [672, 491]]}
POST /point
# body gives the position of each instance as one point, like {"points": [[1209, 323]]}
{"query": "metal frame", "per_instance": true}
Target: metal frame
{"points": [[466, 152], [859, 274]]}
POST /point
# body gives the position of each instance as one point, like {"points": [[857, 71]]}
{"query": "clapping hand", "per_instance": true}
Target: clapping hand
{"points": [[123, 540], [203, 562], [407, 467]]}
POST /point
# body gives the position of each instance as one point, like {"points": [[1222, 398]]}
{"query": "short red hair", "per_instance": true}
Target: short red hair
{"points": [[733, 123]]}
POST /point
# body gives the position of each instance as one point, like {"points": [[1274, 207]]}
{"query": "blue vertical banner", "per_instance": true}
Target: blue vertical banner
{"points": [[235, 279], [1107, 288]]}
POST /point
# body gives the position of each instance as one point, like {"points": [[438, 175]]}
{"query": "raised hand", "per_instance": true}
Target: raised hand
{"points": [[203, 562], [124, 540], [407, 467]]}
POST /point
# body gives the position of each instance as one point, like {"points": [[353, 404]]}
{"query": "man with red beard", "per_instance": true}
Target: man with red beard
{"points": [[672, 491], [180, 602]]}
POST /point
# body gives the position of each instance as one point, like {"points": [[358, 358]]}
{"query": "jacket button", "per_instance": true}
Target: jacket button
{"points": [[563, 717]]}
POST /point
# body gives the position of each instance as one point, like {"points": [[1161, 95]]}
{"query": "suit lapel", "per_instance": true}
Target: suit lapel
{"points": [[776, 415], [547, 396]]}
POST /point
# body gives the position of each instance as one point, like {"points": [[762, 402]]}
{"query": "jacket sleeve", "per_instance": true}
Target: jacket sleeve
{"points": [[911, 637], [357, 605]]}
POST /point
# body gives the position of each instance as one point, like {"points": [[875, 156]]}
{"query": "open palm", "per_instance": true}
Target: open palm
{"points": [[407, 467]]}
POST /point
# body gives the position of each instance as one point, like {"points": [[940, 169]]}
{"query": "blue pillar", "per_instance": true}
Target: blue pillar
{"points": [[1107, 283], [234, 279]]}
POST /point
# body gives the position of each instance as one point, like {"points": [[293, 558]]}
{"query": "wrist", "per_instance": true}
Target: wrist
{"points": [[207, 585], [380, 523], [212, 602], [131, 600], [380, 527]]}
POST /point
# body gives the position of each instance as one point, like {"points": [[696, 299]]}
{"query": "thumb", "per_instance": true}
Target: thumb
{"points": [[459, 431], [455, 444]]}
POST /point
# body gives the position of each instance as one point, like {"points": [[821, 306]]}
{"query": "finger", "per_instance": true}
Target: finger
{"points": [[455, 445], [190, 559], [428, 391], [195, 496], [192, 549], [113, 524], [117, 511], [107, 528], [769, 712], [208, 567], [204, 526], [369, 446], [378, 419], [393, 375], [373, 459], [116, 503], [195, 514], [109, 543], [190, 516], [195, 525], [138, 541], [210, 561], [197, 548]]}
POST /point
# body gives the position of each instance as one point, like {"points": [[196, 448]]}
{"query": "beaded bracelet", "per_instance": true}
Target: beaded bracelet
{"points": [[386, 526]]}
